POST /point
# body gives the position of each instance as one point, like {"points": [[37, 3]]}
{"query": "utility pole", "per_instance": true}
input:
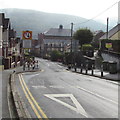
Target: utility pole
{"points": [[71, 35], [71, 43], [107, 28]]}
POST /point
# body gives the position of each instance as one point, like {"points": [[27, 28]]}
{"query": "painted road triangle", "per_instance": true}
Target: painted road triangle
{"points": [[78, 108]]}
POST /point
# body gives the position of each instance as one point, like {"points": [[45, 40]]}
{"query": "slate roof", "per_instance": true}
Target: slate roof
{"points": [[112, 32], [58, 32]]}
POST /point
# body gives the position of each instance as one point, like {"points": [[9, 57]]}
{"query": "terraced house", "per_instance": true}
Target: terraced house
{"points": [[10, 52]]}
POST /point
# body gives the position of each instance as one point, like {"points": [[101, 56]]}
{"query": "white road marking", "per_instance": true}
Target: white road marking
{"points": [[97, 95], [56, 86], [42, 86], [39, 86], [78, 108]]}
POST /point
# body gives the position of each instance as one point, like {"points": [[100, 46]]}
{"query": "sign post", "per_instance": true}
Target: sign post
{"points": [[27, 43]]}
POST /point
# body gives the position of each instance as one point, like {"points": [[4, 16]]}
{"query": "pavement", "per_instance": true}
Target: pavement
{"points": [[4, 75], [97, 73]]}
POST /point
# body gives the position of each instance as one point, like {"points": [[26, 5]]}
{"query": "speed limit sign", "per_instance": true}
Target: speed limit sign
{"points": [[27, 35]]}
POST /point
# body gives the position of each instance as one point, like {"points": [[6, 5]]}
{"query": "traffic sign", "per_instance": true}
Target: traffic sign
{"points": [[27, 35], [108, 45], [27, 44]]}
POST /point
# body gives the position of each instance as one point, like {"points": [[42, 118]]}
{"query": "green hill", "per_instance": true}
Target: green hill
{"points": [[38, 22]]}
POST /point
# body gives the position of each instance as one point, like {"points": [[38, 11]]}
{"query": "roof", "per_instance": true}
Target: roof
{"points": [[112, 32], [58, 32]]}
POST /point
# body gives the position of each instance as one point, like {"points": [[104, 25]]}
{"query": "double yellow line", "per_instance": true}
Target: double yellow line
{"points": [[36, 108]]}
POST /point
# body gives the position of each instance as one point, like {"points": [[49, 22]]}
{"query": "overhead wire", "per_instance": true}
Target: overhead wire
{"points": [[97, 14]]}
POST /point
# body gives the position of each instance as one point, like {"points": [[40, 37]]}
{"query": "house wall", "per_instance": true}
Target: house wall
{"points": [[5, 38], [1, 29], [109, 57], [5, 43], [116, 36], [58, 37]]}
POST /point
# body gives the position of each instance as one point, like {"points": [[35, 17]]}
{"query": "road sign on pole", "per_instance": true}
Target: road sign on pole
{"points": [[27, 39], [27, 44], [27, 35]]}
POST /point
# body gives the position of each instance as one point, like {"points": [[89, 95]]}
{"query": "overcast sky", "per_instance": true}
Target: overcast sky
{"points": [[83, 8]]}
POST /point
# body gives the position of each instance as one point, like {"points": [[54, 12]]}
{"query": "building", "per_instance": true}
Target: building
{"points": [[1, 33], [35, 47], [113, 34], [10, 52], [55, 39], [97, 35], [113, 41], [1, 40]]}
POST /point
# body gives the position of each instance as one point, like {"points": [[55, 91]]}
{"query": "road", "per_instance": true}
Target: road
{"points": [[55, 92]]}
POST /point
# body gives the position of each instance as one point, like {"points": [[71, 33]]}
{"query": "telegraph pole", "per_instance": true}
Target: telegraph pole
{"points": [[107, 28], [71, 43], [71, 35]]}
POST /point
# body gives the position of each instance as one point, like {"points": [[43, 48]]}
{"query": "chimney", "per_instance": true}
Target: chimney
{"points": [[60, 26]]}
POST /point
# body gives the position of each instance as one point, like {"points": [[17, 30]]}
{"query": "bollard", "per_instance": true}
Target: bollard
{"points": [[92, 69], [101, 70], [81, 68], [37, 63], [101, 73], [86, 69], [75, 67], [28, 66]]}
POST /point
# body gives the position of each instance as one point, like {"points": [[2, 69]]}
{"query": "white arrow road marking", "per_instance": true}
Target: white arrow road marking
{"points": [[78, 108]]}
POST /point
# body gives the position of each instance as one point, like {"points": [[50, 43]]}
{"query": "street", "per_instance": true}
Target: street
{"points": [[54, 92]]}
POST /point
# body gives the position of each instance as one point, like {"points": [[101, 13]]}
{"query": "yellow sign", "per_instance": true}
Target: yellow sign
{"points": [[108, 45], [27, 35]]}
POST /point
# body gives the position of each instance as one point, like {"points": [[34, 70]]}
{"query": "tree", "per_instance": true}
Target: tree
{"points": [[84, 36], [56, 55]]}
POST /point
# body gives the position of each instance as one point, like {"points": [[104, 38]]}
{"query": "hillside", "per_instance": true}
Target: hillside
{"points": [[40, 21]]}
